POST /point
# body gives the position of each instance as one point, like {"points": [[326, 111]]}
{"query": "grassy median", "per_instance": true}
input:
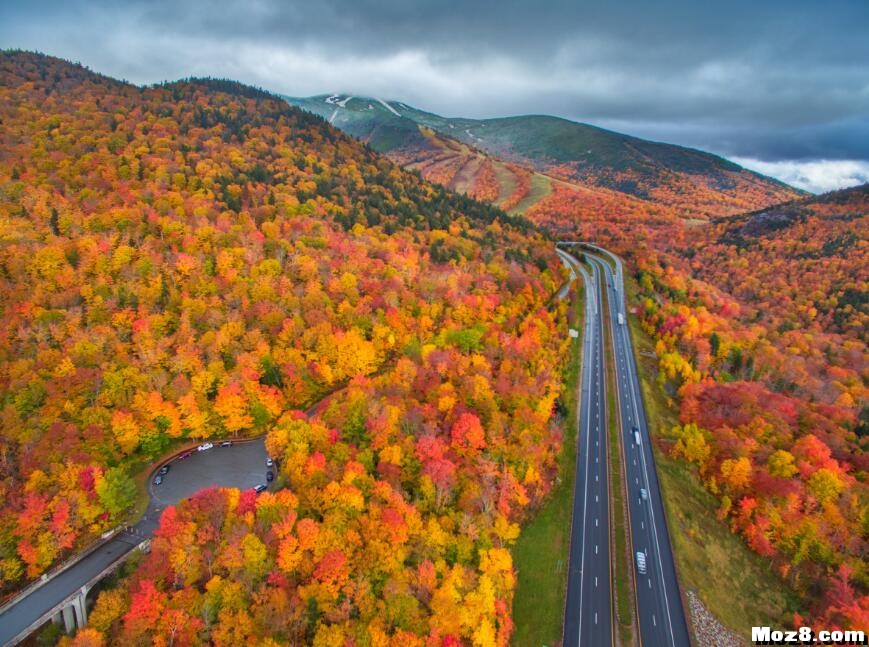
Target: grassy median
{"points": [[618, 516], [541, 553], [736, 585]]}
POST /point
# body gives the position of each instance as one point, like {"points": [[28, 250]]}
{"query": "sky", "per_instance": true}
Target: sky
{"points": [[779, 86]]}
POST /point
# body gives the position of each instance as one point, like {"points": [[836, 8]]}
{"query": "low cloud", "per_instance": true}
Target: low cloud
{"points": [[817, 176]]}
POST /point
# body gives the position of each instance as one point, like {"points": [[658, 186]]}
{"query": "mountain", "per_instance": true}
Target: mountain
{"points": [[798, 265], [200, 260], [471, 154]]}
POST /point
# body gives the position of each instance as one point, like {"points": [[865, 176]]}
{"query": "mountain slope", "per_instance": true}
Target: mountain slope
{"points": [[201, 260], [799, 265], [695, 183]]}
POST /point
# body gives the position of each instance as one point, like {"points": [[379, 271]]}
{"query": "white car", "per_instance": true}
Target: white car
{"points": [[204, 447], [641, 563], [643, 494], [269, 462]]}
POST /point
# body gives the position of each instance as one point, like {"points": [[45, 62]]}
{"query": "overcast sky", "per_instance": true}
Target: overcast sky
{"points": [[781, 86]]}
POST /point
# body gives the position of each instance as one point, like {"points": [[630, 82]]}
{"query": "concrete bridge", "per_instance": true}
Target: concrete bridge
{"points": [[72, 611]]}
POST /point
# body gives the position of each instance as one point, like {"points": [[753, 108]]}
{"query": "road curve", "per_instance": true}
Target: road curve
{"points": [[242, 466], [588, 614], [658, 598]]}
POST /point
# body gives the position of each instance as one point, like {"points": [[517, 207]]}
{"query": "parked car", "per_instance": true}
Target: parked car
{"points": [[262, 487], [181, 457], [164, 470], [270, 476], [643, 494], [269, 462], [158, 479], [204, 447], [226, 443]]}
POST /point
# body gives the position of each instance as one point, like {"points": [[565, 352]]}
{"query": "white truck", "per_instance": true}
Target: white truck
{"points": [[621, 319]]}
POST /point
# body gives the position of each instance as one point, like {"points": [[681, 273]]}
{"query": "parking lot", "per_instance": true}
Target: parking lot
{"points": [[243, 466]]}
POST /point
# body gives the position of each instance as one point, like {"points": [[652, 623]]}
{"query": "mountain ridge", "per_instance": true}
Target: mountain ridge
{"points": [[695, 182]]}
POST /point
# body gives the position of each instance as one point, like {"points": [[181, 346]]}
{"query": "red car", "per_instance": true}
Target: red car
{"points": [[181, 457]]}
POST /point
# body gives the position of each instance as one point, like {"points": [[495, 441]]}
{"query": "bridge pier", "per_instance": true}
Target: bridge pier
{"points": [[74, 614], [68, 619]]}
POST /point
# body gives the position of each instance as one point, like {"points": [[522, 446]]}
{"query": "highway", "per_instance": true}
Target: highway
{"points": [[242, 466], [588, 617], [658, 599]]}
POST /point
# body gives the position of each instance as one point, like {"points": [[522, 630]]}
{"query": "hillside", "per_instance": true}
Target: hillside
{"points": [[200, 260], [799, 265], [693, 183], [759, 323]]}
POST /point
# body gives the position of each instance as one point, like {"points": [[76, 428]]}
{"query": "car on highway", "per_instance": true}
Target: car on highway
{"points": [[204, 447], [270, 476], [641, 562], [644, 495], [226, 443], [269, 462], [164, 470], [262, 487], [636, 435], [158, 479]]}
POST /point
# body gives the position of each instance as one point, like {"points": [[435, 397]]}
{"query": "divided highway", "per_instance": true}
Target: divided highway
{"points": [[588, 618], [658, 600]]}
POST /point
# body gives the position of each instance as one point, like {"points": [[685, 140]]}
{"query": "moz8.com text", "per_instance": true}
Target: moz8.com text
{"points": [[806, 636]]}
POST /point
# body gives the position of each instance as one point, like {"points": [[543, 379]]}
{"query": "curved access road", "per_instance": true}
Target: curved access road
{"points": [[658, 598], [588, 613], [243, 466]]}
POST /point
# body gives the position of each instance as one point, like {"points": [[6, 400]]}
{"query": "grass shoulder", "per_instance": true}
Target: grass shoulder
{"points": [[541, 553]]}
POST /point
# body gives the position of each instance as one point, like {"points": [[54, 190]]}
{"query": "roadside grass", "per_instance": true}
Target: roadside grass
{"points": [[621, 563], [541, 552], [737, 586], [541, 186]]}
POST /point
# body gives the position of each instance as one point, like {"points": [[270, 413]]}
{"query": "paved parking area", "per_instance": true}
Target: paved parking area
{"points": [[241, 466]]}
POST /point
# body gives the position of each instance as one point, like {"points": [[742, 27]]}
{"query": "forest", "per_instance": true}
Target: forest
{"points": [[199, 260]]}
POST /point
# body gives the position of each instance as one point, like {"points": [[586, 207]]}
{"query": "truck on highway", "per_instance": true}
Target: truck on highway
{"points": [[621, 319], [641, 562]]}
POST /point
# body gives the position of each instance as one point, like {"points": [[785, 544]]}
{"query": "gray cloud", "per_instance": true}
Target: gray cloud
{"points": [[774, 80]]}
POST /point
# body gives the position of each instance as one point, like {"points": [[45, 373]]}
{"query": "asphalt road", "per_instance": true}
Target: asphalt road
{"points": [[658, 599], [588, 618], [242, 466]]}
